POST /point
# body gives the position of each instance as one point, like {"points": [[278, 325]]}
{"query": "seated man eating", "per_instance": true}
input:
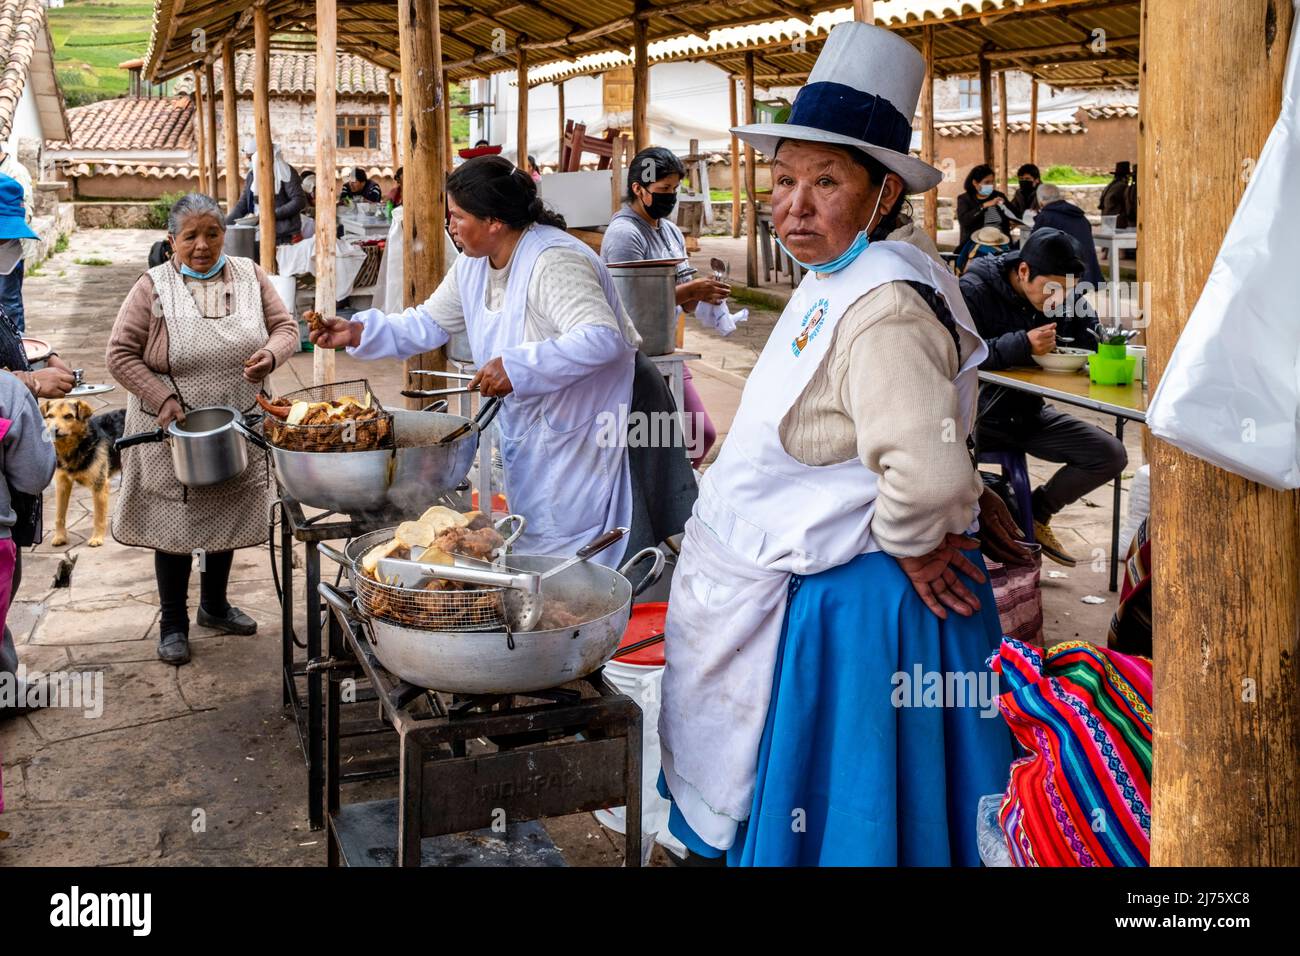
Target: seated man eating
{"points": [[1018, 303]]}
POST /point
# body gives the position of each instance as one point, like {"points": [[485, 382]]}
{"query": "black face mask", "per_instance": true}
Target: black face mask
{"points": [[1027, 185], [661, 204]]}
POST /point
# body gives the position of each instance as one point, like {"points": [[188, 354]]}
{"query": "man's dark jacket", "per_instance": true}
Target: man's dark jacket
{"points": [[1004, 318], [1071, 220]]}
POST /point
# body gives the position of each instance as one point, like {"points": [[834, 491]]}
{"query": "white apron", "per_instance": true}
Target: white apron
{"points": [[761, 517], [559, 474]]}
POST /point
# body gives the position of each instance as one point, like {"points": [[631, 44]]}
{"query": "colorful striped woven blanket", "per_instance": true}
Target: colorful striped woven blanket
{"points": [[1082, 797]]}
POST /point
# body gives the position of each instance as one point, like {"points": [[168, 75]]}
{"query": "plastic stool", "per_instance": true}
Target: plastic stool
{"points": [[1016, 472]]}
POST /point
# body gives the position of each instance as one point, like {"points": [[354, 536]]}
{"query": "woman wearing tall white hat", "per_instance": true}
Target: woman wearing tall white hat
{"points": [[825, 584]]}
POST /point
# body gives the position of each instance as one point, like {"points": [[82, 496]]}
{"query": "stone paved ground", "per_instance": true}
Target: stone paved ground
{"points": [[209, 742]]}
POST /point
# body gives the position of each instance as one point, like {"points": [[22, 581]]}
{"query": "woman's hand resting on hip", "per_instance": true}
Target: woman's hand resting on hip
{"points": [[934, 576]]}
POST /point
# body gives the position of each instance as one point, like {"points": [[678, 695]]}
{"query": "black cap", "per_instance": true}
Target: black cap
{"points": [[1051, 252]]}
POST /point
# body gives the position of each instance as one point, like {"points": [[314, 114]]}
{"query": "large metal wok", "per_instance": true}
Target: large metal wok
{"points": [[399, 481], [502, 662]]}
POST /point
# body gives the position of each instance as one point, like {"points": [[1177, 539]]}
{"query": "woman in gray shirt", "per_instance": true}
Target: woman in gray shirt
{"points": [[640, 231]]}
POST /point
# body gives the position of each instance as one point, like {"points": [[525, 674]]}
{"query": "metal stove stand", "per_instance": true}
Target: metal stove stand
{"points": [[301, 682], [477, 766]]}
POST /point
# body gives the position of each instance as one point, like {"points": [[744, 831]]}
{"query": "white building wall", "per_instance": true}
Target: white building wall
{"points": [[27, 122], [687, 101]]}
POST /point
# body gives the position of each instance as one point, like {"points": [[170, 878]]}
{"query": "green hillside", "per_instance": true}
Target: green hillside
{"points": [[91, 37]]}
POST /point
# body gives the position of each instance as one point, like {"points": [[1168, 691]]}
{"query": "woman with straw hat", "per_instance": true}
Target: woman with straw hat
{"points": [[826, 586]]}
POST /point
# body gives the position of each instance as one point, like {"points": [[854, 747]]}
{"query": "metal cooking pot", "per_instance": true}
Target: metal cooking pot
{"points": [[498, 662], [207, 448], [649, 294], [399, 481], [240, 239]]}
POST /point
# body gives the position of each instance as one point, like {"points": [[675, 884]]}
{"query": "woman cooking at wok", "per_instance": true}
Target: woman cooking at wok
{"points": [[549, 337]]}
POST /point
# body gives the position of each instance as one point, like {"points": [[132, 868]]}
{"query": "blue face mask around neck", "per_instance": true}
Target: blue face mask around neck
{"points": [[845, 258], [191, 274]]}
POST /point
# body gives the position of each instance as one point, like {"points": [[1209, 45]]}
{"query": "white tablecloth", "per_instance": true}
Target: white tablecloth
{"points": [[299, 259]]}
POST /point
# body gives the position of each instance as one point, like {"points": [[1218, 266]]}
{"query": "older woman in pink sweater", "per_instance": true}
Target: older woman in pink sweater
{"points": [[203, 329]]}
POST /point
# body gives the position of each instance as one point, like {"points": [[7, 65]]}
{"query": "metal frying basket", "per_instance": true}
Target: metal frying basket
{"points": [[370, 434], [477, 609]]}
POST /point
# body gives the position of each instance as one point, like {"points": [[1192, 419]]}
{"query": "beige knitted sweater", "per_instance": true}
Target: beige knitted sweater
{"points": [[884, 394]]}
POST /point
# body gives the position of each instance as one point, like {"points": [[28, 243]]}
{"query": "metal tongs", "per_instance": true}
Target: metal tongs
{"points": [[523, 599], [435, 392]]}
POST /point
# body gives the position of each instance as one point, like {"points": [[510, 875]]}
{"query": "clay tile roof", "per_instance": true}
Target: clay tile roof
{"points": [[294, 74], [22, 31], [131, 123]]}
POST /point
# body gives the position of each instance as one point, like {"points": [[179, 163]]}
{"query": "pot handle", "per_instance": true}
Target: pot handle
{"points": [[334, 555], [139, 438], [335, 599], [439, 406], [252, 436], [656, 569], [519, 522], [486, 412]]}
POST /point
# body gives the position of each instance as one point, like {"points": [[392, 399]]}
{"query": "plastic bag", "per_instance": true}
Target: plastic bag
{"points": [[1230, 392]]}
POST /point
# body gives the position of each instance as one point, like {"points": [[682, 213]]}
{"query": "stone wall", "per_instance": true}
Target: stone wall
{"points": [[111, 215]]}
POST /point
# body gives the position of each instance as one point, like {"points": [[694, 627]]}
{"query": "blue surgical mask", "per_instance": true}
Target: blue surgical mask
{"points": [[190, 273], [986, 189], [845, 258]]}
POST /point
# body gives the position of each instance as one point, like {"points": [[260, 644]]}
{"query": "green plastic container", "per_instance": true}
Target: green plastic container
{"points": [[1112, 351], [1111, 371]]}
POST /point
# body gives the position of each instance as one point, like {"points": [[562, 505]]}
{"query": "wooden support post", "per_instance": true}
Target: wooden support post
{"points": [[262, 125], [200, 131], [395, 141], [230, 125], [446, 127], [617, 163], [423, 142], [210, 102], [640, 81], [735, 163], [927, 129], [751, 186], [986, 108], [322, 365], [521, 135], [1004, 158], [559, 143], [862, 11], [1226, 579], [1033, 120]]}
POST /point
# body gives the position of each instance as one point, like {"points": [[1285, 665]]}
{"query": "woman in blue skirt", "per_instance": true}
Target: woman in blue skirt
{"points": [[826, 699]]}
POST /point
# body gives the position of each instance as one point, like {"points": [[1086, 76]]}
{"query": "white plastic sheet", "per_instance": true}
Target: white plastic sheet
{"points": [[1231, 392]]}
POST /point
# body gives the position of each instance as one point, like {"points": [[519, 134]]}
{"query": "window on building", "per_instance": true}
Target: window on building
{"points": [[968, 93], [358, 132]]}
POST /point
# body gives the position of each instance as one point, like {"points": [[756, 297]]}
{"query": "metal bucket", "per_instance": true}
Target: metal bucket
{"points": [[239, 240], [649, 295]]}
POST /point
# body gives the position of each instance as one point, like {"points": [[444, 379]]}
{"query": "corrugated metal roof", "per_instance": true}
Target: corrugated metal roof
{"points": [[1063, 32], [478, 36]]}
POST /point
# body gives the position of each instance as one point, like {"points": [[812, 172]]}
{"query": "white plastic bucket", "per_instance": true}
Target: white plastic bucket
{"points": [[644, 685]]}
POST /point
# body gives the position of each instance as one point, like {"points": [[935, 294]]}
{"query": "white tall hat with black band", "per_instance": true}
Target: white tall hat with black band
{"points": [[862, 92]]}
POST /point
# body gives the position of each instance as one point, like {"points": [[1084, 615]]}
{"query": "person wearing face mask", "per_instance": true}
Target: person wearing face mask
{"points": [[827, 550], [980, 205], [199, 330], [1025, 198], [1018, 303], [641, 230]]}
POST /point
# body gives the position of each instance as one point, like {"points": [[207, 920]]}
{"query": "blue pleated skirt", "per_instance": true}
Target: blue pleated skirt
{"points": [[883, 730]]}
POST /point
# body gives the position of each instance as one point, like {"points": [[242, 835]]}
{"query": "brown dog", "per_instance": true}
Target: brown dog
{"points": [[84, 447]]}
